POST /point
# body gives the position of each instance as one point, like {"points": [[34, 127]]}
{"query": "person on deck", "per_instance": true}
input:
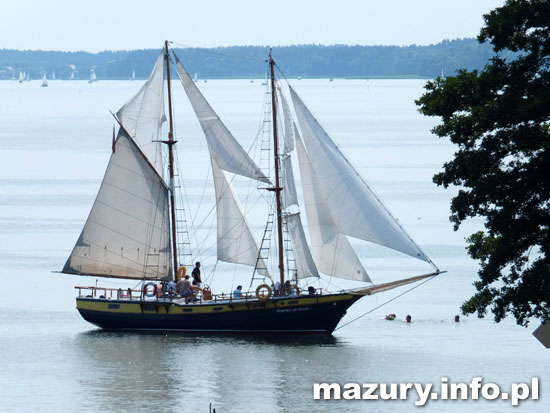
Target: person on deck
{"points": [[196, 273], [277, 289], [186, 290], [238, 293], [171, 288]]}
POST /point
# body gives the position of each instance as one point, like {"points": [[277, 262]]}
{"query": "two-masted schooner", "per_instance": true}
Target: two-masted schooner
{"points": [[131, 231]]}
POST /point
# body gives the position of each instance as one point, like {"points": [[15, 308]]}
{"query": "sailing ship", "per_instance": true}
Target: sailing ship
{"points": [[131, 231], [93, 77], [133, 75], [22, 77], [44, 80], [53, 75], [195, 78]]}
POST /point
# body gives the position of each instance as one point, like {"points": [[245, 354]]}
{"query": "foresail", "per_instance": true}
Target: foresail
{"points": [[332, 252], [228, 153], [143, 115], [236, 244], [305, 265], [355, 209], [127, 232]]}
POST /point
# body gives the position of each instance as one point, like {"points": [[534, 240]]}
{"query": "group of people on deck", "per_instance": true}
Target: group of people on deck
{"points": [[184, 287]]}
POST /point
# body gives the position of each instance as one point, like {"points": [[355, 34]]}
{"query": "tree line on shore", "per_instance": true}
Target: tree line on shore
{"points": [[308, 61]]}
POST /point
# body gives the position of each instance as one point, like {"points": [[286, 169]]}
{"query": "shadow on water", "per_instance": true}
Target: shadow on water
{"points": [[234, 339]]}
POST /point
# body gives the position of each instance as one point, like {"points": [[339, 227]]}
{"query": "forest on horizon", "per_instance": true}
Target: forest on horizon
{"points": [[307, 61]]}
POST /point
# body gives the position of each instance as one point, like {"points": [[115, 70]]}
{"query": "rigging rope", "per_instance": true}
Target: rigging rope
{"points": [[383, 304]]}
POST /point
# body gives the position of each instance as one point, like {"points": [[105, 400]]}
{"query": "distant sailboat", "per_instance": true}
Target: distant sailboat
{"points": [[28, 79], [21, 77], [93, 77], [53, 75], [133, 75], [195, 78], [44, 80], [72, 76]]}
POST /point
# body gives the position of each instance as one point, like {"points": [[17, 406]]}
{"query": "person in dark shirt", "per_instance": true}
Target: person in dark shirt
{"points": [[197, 280]]}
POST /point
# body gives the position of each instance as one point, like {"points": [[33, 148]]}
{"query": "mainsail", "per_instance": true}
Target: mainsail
{"points": [[228, 153], [235, 241], [355, 209], [127, 233], [332, 251], [143, 115]]}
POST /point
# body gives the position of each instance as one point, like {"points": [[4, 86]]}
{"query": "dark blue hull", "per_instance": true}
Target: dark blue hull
{"points": [[303, 315]]}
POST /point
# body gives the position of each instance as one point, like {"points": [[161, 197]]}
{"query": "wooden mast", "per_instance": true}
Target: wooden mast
{"points": [[277, 187], [171, 142]]}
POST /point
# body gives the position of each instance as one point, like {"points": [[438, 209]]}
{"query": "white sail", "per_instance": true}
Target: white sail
{"points": [[143, 115], [289, 125], [21, 77], [127, 234], [356, 210], [133, 75], [229, 154], [236, 244], [44, 80], [332, 252], [53, 75], [305, 264], [289, 194], [72, 75]]}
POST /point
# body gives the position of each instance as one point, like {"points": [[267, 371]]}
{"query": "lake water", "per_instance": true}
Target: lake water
{"points": [[54, 145]]}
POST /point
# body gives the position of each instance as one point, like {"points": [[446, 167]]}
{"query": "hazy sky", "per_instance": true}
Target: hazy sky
{"points": [[95, 25]]}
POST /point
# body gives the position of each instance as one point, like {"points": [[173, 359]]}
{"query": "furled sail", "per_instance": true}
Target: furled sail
{"points": [[228, 153], [143, 115], [127, 234], [305, 265], [356, 210], [332, 252], [236, 243]]}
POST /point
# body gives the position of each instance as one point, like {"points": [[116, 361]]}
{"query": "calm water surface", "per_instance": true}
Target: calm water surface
{"points": [[54, 145]]}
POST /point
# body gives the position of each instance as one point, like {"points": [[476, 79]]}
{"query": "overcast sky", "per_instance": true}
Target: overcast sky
{"points": [[96, 25]]}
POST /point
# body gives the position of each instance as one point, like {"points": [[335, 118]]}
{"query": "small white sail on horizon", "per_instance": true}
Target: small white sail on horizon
{"points": [[44, 80], [53, 75], [133, 75]]}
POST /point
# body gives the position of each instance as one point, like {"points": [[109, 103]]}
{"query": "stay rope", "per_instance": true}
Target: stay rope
{"points": [[387, 302]]}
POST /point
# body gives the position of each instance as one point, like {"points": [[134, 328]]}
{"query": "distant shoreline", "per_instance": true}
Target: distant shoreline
{"points": [[248, 62]]}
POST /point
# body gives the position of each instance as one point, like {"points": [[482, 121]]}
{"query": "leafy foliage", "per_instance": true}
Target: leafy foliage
{"points": [[499, 119]]}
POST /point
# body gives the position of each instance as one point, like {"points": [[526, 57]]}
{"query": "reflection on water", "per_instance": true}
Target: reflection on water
{"points": [[129, 371]]}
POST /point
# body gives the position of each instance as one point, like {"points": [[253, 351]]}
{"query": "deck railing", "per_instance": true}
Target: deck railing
{"points": [[130, 294]]}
